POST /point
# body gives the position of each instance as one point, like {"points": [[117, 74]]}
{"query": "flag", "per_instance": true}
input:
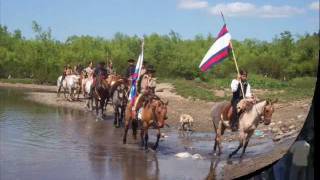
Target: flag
{"points": [[218, 51], [135, 78]]}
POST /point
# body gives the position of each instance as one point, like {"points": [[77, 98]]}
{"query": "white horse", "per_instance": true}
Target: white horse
{"points": [[86, 85], [248, 121], [71, 83]]}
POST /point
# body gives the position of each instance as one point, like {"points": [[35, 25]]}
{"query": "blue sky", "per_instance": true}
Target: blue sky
{"points": [[245, 18]]}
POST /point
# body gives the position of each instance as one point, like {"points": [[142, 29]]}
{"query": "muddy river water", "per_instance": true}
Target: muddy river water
{"points": [[42, 142]]}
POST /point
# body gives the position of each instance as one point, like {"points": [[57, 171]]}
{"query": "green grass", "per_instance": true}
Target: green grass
{"points": [[193, 89], [14, 81], [295, 89]]}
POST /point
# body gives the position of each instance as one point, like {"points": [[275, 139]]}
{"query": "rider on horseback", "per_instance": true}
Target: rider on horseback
{"points": [[130, 69], [99, 74], [237, 96], [146, 89], [66, 71]]}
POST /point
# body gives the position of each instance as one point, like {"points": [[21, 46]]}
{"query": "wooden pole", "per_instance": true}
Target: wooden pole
{"points": [[234, 59]]}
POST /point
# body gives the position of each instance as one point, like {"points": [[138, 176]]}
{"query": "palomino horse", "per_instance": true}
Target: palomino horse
{"points": [[70, 83], [119, 101], [154, 113], [248, 121], [100, 94]]}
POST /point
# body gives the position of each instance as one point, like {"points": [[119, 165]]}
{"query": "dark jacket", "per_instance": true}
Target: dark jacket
{"points": [[100, 72], [237, 96], [130, 70]]}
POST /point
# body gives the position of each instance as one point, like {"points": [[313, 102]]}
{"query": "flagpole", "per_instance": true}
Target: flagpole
{"points": [[234, 58]]}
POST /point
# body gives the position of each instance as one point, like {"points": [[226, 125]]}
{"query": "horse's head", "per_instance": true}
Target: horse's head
{"points": [[160, 111], [268, 111], [122, 94], [245, 105]]}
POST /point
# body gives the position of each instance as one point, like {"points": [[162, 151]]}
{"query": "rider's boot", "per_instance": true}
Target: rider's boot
{"points": [[233, 125]]}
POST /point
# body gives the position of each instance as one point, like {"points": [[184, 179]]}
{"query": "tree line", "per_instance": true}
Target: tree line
{"points": [[42, 58]]}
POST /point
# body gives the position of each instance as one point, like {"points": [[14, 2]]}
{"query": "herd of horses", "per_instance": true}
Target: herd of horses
{"points": [[153, 113]]}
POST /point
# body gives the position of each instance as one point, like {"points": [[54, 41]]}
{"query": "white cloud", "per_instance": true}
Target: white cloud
{"points": [[233, 9], [192, 4], [315, 5], [278, 12], [248, 9]]}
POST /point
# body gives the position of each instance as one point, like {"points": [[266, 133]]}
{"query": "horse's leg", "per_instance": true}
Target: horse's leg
{"points": [[241, 140], [102, 107], [246, 143], [219, 136], [97, 106], [157, 142], [142, 137], [115, 115], [146, 137], [64, 93], [134, 128], [126, 128], [121, 116]]}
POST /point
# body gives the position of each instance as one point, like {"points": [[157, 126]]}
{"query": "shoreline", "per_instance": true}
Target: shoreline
{"points": [[200, 110]]}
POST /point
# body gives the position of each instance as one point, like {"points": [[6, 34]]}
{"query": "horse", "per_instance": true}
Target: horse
{"points": [[153, 113], [70, 83], [119, 101], [248, 121], [86, 84], [100, 94]]}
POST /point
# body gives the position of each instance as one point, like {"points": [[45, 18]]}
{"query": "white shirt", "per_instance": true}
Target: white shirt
{"points": [[300, 150], [234, 87]]}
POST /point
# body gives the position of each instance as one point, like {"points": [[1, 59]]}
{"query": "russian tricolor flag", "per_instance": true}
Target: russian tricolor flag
{"points": [[218, 51], [135, 78]]}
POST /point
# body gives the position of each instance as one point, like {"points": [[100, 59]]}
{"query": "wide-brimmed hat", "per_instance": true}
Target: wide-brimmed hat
{"points": [[151, 69], [131, 60]]}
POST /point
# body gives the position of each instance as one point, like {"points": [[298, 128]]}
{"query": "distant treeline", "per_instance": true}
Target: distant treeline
{"points": [[43, 58]]}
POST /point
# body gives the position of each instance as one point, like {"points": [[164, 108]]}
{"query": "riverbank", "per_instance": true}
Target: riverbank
{"points": [[286, 124], [287, 118]]}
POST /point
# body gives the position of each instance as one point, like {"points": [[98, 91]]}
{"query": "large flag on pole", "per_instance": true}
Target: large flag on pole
{"points": [[218, 51], [135, 77]]}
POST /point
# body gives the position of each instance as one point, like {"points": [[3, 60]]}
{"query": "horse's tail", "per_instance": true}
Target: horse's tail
{"points": [[216, 111]]}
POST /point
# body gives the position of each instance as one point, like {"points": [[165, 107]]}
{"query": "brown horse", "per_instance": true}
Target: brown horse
{"points": [[154, 113], [248, 121], [100, 94]]}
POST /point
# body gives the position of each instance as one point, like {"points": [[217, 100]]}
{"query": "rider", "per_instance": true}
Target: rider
{"points": [[146, 88], [110, 68], [88, 73], [99, 72], [66, 71], [237, 95], [89, 70], [130, 69]]}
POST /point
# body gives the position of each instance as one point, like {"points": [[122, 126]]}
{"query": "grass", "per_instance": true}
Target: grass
{"points": [[295, 89], [14, 81]]}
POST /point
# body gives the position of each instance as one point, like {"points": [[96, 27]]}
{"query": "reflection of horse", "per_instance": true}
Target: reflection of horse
{"points": [[248, 121], [119, 101], [154, 112], [100, 94], [212, 171], [70, 83]]}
